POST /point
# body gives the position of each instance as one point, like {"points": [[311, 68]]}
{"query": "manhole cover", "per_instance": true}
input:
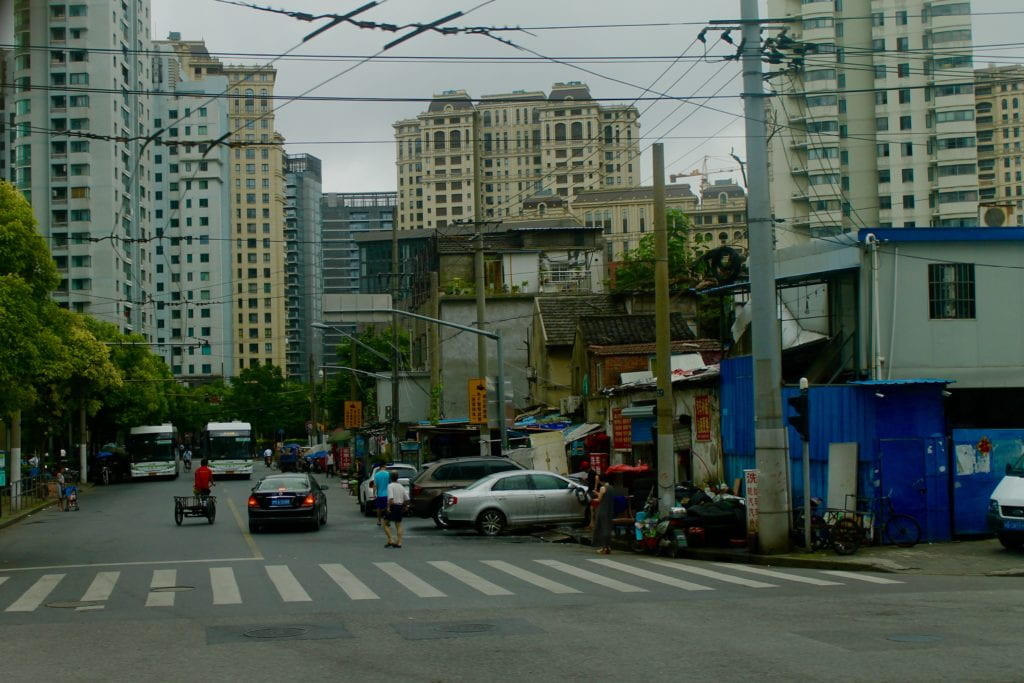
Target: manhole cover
{"points": [[465, 628], [171, 589], [914, 638], [280, 632], [72, 604]]}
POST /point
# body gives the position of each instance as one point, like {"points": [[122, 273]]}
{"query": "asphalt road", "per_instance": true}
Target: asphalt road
{"points": [[117, 591]]}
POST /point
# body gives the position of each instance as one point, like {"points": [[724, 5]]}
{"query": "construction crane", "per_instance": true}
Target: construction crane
{"points": [[703, 173]]}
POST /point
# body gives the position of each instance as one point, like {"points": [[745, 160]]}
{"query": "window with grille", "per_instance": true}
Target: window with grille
{"points": [[951, 290]]}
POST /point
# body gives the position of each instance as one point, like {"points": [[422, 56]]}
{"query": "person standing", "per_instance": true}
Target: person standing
{"points": [[379, 484], [591, 481], [398, 498], [604, 515], [61, 503]]}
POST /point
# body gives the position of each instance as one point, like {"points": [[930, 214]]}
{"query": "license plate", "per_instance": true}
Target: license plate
{"points": [[280, 502], [1017, 525], [230, 472], [152, 474]]}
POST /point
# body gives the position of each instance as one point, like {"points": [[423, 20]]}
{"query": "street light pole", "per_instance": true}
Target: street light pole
{"points": [[465, 328]]}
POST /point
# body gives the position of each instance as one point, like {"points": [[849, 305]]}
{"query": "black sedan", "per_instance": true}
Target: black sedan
{"points": [[287, 498]]}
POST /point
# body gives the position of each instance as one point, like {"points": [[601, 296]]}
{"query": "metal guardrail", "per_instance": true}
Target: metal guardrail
{"points": [[26, 492]]}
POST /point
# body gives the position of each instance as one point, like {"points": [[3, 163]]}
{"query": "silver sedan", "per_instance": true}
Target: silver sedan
{"points": [[515, 498]]}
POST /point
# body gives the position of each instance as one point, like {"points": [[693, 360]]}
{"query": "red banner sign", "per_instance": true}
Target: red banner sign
{"points": [[622, 435], [346, 457], [702, 418]]}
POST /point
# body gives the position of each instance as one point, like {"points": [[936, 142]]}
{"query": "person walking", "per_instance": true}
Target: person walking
{"points": [[186, 458], [379, 485], [398, 498]]}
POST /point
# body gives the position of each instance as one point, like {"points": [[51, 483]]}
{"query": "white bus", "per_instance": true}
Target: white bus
{"points": [[228, 447], [152, 451]]}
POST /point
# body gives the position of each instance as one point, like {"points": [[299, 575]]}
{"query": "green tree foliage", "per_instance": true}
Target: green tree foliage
{"points": [[261, 396], [23, 252], [191, 407], [637, 270], [339, 389]]}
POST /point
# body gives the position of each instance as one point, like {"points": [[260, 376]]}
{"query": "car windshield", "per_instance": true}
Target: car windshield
{"points": [[286, 483]]}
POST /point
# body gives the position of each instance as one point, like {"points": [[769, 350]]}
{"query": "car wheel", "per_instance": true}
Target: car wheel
{"points": [[323, 514], [368, 508], [435, 514], [254, 526], [314, 525], [490, 522], [1011, 542]]}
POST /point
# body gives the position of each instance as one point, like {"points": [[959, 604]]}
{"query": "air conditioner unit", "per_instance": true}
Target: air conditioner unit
{"points": [[995, 216], [531, 373]]}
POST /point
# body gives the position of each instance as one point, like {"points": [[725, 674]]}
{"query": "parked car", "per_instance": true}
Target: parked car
{"points": [[451, 473], [405, 475], [1006, 507], [515, 498], [292, 497]]}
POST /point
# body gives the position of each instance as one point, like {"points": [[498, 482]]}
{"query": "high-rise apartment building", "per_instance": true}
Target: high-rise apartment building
{"points": [[303, 235], [192, 222], [81, 71], [462, 159], [999, 95], [344, 215], [257, 206], [876, 127]]}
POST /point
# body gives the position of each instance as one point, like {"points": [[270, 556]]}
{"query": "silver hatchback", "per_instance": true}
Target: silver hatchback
{"points": [[516, 498]]}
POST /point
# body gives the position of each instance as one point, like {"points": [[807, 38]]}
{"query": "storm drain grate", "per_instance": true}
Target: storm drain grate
{"points": [[904, 638], [466, 628], [73, 604], [277, 632], [171, 589], [463, 629]]}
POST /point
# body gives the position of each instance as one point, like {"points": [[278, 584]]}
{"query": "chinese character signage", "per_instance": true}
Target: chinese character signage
{"points": [[702, 418], [477, 401], [353, 414], [753, 503], [345, 457], [622, 437]]}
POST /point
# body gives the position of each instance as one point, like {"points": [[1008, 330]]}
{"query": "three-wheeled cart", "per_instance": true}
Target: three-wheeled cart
{"points": [[195, 506]]}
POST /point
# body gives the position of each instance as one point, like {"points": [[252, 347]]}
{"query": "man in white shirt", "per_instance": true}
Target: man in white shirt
{"points": [[397, 500]]}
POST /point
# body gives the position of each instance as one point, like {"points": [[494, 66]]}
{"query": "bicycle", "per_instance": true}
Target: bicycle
{"points": [[820, 533], [897, 528]]}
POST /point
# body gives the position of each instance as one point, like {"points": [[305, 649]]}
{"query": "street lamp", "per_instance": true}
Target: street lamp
{"points": [[501, 402]]}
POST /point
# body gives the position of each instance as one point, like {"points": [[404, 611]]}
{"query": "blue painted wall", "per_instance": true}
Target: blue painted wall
{"points": [[905, 423], [975, 476]]}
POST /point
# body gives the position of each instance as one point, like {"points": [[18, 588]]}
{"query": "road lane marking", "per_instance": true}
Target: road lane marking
{"points": [[718, 576], [409, 580], [99, 590], [2, 579], [614, 584], [286, 584], [860, 577], [34, 596], [530, 577], [144, 563], [162, 578], [651, 576], [347, 581], [246, 536], [470, 579], [782, 576], [225, 588]]}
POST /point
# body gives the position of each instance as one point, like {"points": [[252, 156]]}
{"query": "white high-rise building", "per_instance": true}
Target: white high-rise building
{"points": [[78, 153], [876, 128], [192, 222]]}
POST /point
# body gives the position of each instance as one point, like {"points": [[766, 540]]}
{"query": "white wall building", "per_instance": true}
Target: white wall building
{"points": [[877, 126], [78, 156]]}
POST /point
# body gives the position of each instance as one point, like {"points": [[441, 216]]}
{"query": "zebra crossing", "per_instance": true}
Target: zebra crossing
{"points": [[223, 586]]}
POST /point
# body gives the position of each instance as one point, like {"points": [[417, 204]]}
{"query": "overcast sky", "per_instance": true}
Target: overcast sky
{"points": [[355, 139]]}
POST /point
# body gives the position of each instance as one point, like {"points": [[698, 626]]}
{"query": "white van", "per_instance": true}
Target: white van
{"points": [[1006, 507]]}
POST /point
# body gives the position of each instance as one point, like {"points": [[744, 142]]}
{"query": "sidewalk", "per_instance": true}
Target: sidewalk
{"points": [[10, 518], [983, 557]]}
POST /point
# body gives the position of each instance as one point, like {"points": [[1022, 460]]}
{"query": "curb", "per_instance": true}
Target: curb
{"points": [[10, 520]]}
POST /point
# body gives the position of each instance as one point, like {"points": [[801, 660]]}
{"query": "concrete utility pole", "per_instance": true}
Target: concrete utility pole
{"points": [[312, 400], [395, 358], [769, 433], [663, 341], [434, 342], [83, 435], [481, 321]]}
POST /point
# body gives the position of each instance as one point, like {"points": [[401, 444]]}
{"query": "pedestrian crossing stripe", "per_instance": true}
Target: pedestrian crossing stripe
{"points": [[602, 572]]}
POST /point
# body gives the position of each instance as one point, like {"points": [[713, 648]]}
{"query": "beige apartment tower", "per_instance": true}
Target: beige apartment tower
{"points": [[999, 96], [876, 127], [461, 160], [257, 207]]}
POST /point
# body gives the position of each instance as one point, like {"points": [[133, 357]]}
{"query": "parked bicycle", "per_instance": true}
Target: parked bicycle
{"points": [[873, 520]]}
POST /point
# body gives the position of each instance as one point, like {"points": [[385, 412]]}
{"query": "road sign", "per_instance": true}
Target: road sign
{"points": [[477, 401], [353, 414]]}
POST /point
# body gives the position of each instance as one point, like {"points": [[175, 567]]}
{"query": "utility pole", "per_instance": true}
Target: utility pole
{"points": [[769, 433], [663, 340], [481, 320], [312, 399], [395, 357], [434, 342]]}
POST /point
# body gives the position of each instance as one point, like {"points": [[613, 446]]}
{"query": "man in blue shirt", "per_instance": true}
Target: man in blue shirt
{"points": [[379, 486]]}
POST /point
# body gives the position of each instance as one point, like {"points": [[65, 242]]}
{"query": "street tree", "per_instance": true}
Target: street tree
{"points": [[378, 359], [259, 395]]}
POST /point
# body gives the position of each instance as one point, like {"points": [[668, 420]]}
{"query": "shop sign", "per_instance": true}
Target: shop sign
{"points": [[622, 437], [477, 390], [345, 454], [702, 417], [353, 414], [752, 503]]}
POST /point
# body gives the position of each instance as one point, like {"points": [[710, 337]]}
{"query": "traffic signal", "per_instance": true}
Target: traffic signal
{"points": [[800, 420]]}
